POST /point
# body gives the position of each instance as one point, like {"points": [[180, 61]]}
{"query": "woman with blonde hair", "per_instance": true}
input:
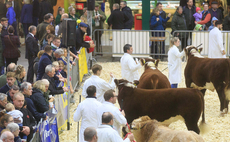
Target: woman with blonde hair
{"points": [[20, 73], [175, 62]]}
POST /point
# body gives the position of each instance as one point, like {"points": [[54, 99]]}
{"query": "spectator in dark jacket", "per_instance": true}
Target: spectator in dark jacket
{"points": [[10, 95], [3, 9], [49, 75], [10, 79], [27, 16], [11, 16], [179, 23], [4, 22], [11, 51], [188, 12], [36, 61], [215, 12], [39, 88], [162, 14], [128, 13], [157, 24], [35, 12], [184, 3], [29, 123], [117, 18], [226, 24], [44, 61], [59, 13], [80, 32], [31, 52], [2, 63], [26, 89], [44, 8]]}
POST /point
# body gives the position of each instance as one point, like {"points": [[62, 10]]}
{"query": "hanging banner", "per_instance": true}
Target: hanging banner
{"points": [[83, 69]]}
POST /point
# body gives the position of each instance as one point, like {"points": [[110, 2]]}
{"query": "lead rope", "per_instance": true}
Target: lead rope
{"points": [[128, 133]]}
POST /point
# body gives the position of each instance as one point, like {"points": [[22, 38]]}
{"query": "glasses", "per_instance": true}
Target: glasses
{"points": [[115, 96]]}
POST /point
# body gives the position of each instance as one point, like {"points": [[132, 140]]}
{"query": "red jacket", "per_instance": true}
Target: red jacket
{"points": [[89, 50]]}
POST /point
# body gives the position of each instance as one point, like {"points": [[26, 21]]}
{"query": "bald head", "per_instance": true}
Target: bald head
{"points": [[90, 134], [7, 136], [107, 118], [11, 67]]}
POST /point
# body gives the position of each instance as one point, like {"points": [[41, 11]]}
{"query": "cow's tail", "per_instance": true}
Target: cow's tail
{"points": [[154, 81], [227, 88], [203, 126]]}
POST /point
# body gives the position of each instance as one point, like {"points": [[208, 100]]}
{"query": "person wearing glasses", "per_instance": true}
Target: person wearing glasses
{"points": [[108, 106]]}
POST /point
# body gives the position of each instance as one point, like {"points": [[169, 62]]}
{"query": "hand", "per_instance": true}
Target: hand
{"points": [[90, 42], [73, 63], [65, 89], [26, 130], [92, 45], [130, 136], [169, 15], [111, 74], [71, 91], [51, 99], [157, 19], [223, 52], [62, 79], [123, 113]]}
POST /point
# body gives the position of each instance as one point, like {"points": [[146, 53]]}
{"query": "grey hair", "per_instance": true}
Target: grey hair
{"points": [[45, 81], [116, 5], [32, 28], [2, 96], [11, 67], [5, 135], [124, 2], [71, 8], [25, 85], [49, 68], [89, 133], [59, 52], [13, 127]]}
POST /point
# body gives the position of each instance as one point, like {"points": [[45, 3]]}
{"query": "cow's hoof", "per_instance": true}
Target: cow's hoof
{"points": [[222, 114]]}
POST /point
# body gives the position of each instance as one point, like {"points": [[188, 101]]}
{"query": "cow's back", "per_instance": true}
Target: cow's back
{"points": [[153, 79]]}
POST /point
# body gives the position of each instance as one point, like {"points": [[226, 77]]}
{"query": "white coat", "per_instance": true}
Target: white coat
{"points": [[106, 133], [101, 85], [87, 110], [175, 64], [129, 68], [215, 44], [118, 119]]}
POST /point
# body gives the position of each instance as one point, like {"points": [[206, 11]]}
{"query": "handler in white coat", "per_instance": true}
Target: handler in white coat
{"points": [[106, 133], [129, 68], [216, 47], [100, 84], [108, 106], [87, 110], [175, 62]]}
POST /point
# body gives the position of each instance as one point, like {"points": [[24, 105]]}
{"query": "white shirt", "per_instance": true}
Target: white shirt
{"points": [[101, 85], [87, 110], [129, 68], [56, 30], [119, 119], [106, 133], [175, 64], [31, 34], [215, 44], [16, 114]]}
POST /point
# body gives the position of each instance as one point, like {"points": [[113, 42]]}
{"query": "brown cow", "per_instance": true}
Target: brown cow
{"points": [[205, 73], [152, 78], [147, 130], [161, 104]]}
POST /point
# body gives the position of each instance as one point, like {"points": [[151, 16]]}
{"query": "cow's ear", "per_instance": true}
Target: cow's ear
{"points": [[116, 82], [186, 51], [200, 49], [156, 62], [135, 82], [142, 61]]}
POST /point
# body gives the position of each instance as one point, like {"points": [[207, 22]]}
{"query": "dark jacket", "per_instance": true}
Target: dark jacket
{"points": [[190, 20], [3, 10], [3, 33], [44, 8], [158, 25], [219, 14], [226, 24], [17, 9], [43, 62], [35, 8], [11, 51], [31, 107], [52, 87], [9, 99], [31, 46], [36, 61], [128, 13], [41, 30], [178, 23], [4, 89], [1, 53], [58, 19], [80, 41], [28, 120], [117, 19], [17, 139], [52, 2], [39, 101], [27, 14]]}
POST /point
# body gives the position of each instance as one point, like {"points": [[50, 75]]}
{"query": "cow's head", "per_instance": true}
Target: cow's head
{"points": [[144, 123], [122, 82], [193, 51], [148, 62]]}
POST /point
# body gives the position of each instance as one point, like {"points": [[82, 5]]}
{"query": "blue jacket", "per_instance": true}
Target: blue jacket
{"points": [[158, 25], [39, 101], [4, 89], [10, 15], [43, 62], [33, 110], [27, 14]]}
